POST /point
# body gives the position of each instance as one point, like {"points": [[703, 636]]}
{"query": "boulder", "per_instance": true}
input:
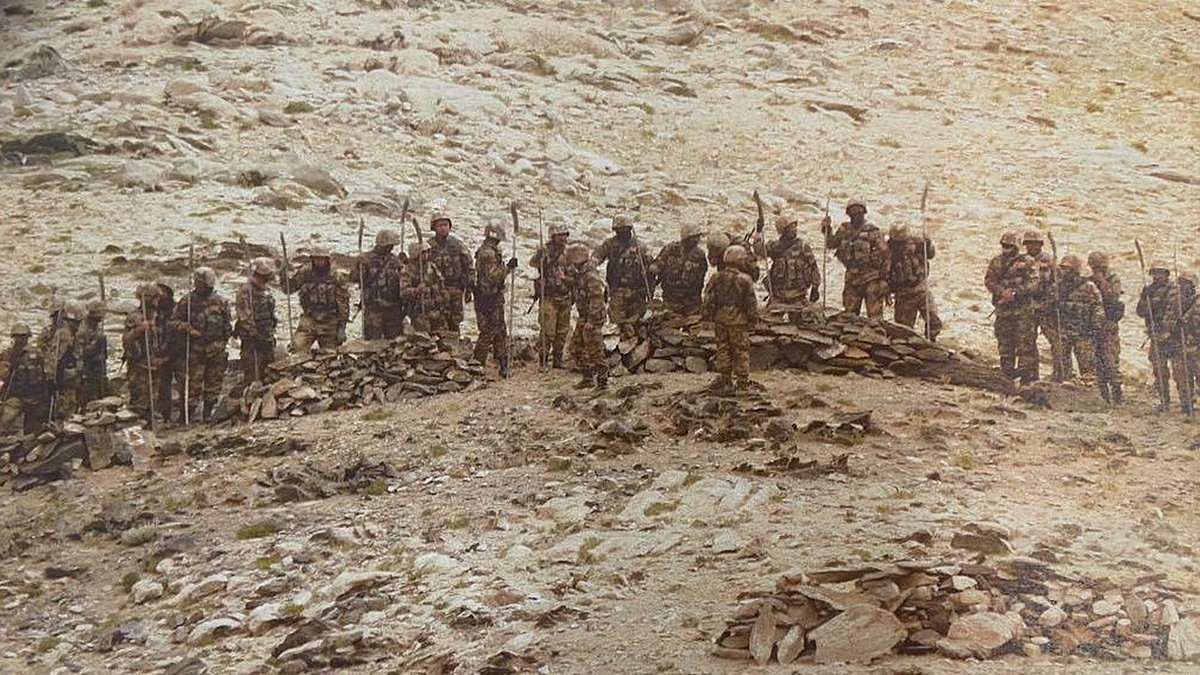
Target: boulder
{"points": [[857, 635]]}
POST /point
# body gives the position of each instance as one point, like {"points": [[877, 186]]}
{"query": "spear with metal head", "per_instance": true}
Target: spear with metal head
{"points": [[759, 224]]}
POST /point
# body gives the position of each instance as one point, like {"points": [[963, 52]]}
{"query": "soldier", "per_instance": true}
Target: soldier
{"points": [[860, 247], [589, 294], [1011, 281], [731, 304], [1152, 307], [256, 322], [1178, 330], [423, 292], [907, 278], [681, 267], [717, 242], [453, 262], [1045, 313], [209, 328], [25, 389], [626, 276], [169, 373], [93, 350], [324, 303], [381, 275], [490, 273], [61, 359], [795, 277], [554, 294], [1082, 312], [1108, 345], [144, 347]]}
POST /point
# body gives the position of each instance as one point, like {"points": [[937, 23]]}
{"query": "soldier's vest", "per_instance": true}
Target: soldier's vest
{"points": [[1157, 297], [590, 296], [27, 377], [382, 282], [858, 252], [448, 256], [554, 276], [93, 348], [683, 270], [726, 296], [908, 263], [1114, 308], [319, 296], [262, 310], [625, 267], [136, 353], [1076, 306], [486, 260], [213, 321], [789, 266]]}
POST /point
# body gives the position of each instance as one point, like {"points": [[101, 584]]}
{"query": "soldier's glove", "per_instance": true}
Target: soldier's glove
{"points": [[195, 332], [814, 295], [1006, 297], [827, 225], [512, 263]]}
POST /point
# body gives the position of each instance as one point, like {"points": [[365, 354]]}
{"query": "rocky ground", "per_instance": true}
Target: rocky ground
{"points": [[493, 524]]}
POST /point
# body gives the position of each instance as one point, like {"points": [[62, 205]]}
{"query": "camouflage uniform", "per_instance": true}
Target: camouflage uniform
{"points": [[210, 328], [25, 392], [1082, 312], [1108, 346], [381, 275], [454, 262], [794, 276], [169, 372], [731, 304], [589, 294], [626, 276], [1151, 307], [423, 295], [144, 352], [1011, 281], [1044, 307], [59, 347], [325, 306], [254, 307], [554, 311], [93, 349], [681, 267], [861, 249], [717, 242], [490, 274], [908, 279], [1179, 329]]}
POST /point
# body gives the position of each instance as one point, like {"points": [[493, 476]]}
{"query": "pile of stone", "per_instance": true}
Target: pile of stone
{"points": [[309, 481], [960, 610], [104, 434], [842, 343], [360, 373]]}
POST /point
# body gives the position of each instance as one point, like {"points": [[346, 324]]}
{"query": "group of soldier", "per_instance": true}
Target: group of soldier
{"points": [[175, 352]]}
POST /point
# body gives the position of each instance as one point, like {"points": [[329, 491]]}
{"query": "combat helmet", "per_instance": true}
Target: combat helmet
{"points": [[204, 276], [736, 256], [1033, 237], [494, 230], [386, 238], [557, 229], [783, 223], [577, 254], [20, 329], [1071, 262], [1010, 239], [856, 202]]}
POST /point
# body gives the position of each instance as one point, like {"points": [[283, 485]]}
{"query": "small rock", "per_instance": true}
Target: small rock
{"points": [[978, 635], [1052, 617], [1105, 608], [146, 590], [213, 629]]}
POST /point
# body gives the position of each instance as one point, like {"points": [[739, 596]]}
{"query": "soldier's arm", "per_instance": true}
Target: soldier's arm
{"points": [[749, 300], [602, 252], [535, 261], [245, 313], [707, 304], [991, 279], [929, 250], [833, 238], [1142, 305], [758, 245]]}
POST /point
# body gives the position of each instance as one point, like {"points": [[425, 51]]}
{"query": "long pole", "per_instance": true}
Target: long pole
{"points": [[362, 273], [287, 286], [542, 253], [57, 328], [1163, 393], [925, 258], [825, 260], [759, 224], [1188, 405], [187, 345], [512, 286], [146, 328], [1062, 359], [645, 276]]}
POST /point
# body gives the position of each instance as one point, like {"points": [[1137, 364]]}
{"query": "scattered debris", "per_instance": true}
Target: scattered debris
{"points": [[309, 482]]}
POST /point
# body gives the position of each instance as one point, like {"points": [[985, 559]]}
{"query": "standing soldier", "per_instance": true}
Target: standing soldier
{"points": [[1011, 281], [93, 351], [25, 392], [626, 276], [681, 267], [490, 273], [381, 273], [256, 322], [61, 359], [1108, 345], [324, 302], [794, 276], [1152, 307], [554, 314], [1177, 329], [1045, 315], [453, 262], [907, 277], [589, 295], [860, 247], [731, 304], [1082, 312], [717, 242], [210, 328], [423, 292], [144, 350], [170, 371]]}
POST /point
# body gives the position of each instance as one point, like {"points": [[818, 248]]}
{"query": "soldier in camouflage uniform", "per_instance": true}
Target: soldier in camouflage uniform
{"points": [[1178, 329], [145, 351], [731, 304], [717, 242], [324, 303], [254, 308], [454, 263], [554, 311], [1045, 316], [1152, 307], [423, 292], [681, 267], [590, 296], [1108, 346], [626, 276], [908, 280], [794, 279], [491, 271], [26, 394], [1012, 282], [381, 274], [169, 374], [59, 347], [1082, 312], [209, 328], [860, 247], [93, 350]]}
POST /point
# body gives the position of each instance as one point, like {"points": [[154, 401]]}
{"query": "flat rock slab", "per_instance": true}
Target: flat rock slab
{"points": [[857, 635]]}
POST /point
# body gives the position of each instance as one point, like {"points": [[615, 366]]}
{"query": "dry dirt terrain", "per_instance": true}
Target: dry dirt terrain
{"points": [[505, 521]]}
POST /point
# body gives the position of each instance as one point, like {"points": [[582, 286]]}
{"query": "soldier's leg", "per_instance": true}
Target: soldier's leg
{"points": [[1059, 359], [875, 297], [618, 312], [1178, 365], [724, 356], [1006, 343], [907, 308], [484, 322], [1162, 376], [139, 390], [740, 347], [247, 356], [500, 337], [304, 336], [547, 316], [1027, 349], [373, 323], [10, 415], [562, 330], [1085, 354], [164, 381], [452, 314], [35, 413], [329, 334], [595, 347], [852, 298], [216, 362]]}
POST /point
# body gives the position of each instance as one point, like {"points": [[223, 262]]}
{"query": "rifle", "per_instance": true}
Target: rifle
{"points": [[287, 287], [512, 286], [1062, 360], [925, 258], [759, 224], [187, 345], [1188, 405], [541, 292], [1163, 391]]}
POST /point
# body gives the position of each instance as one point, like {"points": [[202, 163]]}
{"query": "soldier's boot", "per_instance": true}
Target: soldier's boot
{"points": [[209, 407], [504, 367], [602, 379], [557, 356], [721, 385], [587, 382], [1104, 392], [1117, 397], [744, 384]]}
